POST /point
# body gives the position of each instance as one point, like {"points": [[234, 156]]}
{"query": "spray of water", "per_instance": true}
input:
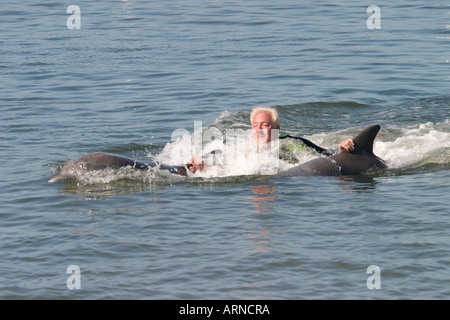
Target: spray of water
{"points": [[237, 154]]}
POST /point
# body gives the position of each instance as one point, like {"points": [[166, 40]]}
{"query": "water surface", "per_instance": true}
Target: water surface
{"points": [[137, 71]]}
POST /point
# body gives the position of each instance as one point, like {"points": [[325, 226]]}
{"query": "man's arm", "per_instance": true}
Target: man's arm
{"points": [[346, 144], [309, 144]]}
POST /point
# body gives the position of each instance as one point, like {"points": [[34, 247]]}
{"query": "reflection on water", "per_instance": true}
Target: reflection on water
{"points": [[261, 234], [357, 184], [262, 201], [102, 191]]}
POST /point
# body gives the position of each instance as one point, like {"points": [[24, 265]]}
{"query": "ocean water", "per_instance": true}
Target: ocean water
{"points": [[138, 76]]}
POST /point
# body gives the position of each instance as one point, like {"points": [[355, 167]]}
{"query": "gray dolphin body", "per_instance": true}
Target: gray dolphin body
{"points": [[360, 161], [98, 160]]}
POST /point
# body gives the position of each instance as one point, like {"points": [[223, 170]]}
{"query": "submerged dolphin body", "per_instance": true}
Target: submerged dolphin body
{"points": [[359, 161], [98, 160]]}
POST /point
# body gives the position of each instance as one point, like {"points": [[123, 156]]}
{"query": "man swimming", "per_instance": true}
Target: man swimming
{"points": [[265, 122]]}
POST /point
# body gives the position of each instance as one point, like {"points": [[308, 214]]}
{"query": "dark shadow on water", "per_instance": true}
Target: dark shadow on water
{"points": [[357, 183], [145, 183], [150, 183]]}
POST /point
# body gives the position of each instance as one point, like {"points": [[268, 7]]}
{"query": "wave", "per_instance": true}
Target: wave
{"points": [[424, 145]]}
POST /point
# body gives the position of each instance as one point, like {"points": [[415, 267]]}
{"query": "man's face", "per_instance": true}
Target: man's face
{"points": [[262, 126]]}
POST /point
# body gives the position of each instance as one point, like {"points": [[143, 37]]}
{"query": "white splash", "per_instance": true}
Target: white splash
{"points": [[427, 142]]}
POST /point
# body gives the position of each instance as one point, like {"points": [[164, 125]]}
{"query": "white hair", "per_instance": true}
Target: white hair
{"points": [[273, 114]]}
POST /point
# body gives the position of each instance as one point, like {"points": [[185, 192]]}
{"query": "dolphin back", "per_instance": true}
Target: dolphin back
{"points": [[359, 161], [100, 160]]}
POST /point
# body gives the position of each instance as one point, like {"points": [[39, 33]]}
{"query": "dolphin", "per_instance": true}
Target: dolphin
{"points": [[99, 160], [359, 161]]}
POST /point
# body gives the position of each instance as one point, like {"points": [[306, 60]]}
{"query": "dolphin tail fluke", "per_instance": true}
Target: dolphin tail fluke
{"points": [[364, 140]]}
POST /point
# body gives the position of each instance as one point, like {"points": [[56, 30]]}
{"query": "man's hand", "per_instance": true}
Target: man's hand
{"points": [[197, 164], [347, 145]]}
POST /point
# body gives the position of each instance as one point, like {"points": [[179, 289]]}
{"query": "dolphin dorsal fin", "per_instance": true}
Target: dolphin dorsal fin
{"points": [[364, 140]]}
